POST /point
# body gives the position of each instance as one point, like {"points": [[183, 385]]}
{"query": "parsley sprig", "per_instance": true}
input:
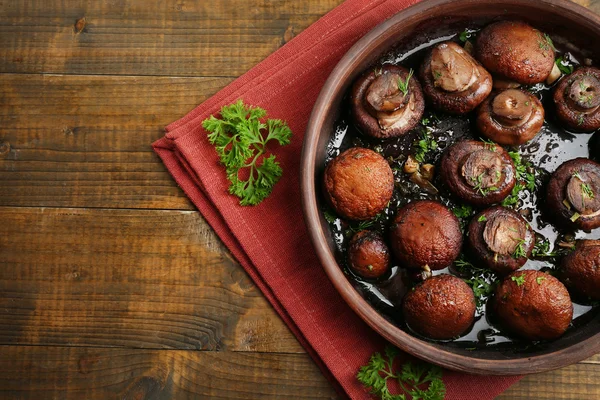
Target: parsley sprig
{"points": [[418, 381], [240, 138], [525, 179]]}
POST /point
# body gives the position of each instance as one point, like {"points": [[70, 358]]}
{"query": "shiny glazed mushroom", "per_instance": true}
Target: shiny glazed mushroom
{"points": [[368, 255], [511, 117], [442, 307], [580, 270], [453, 80], [426, 235], [515, 51], [533, 305], [358, 183], [500, 239], [573, 194], [479, 173], [387, 102], [577, 100]]}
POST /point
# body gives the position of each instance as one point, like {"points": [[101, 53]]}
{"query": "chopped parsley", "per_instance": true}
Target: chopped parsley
{"points": [[542, 249], [540, 279], [520, 280], [482, 280], [520, 249], [463, 211], [423, 146], [482, 218]]}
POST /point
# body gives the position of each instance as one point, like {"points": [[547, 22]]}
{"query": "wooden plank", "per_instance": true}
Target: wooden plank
{"points": [[84, 141], [127, 278], [154, 37], [74, 373], [579, 381]]}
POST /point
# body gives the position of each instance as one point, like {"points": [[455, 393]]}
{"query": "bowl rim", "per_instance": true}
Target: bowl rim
{"points": [[402, 339]]}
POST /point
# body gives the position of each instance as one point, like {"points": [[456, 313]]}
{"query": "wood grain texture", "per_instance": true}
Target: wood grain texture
{"points": [[126, 278], [84, 141], [65, 373], [154, 37]]}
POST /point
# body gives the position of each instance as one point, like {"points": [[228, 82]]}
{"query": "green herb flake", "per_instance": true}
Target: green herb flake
{"points": [[329, 216], [482, 219], [542, 249], [403, 84], [240, 137], [587, 191], [540, 279], [520, 280], [463, 211], [423, 146], [520, 249], [419, 380]]}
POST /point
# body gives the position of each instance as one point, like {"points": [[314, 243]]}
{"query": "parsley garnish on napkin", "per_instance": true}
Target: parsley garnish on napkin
{"points": [[240, 138]]}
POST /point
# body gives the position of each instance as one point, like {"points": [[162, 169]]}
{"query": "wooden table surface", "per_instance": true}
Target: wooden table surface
{"points": [[112, 285]]}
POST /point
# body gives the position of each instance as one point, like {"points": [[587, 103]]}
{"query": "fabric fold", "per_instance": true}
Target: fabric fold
{"points": [[270, 240]]}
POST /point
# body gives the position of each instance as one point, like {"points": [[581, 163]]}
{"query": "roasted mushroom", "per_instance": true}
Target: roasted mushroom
{"points": [[533, 305], [515, 51], [573, 194], [442, 307], [453, 80], [368, 255], [387, 102], [477, 172], [577, 100], [511, 117], [500, 239], [580, 270], [425, 234], [358, 183]]}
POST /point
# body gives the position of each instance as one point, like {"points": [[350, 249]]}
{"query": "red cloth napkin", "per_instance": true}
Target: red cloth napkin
{"points": [[270, 240]]}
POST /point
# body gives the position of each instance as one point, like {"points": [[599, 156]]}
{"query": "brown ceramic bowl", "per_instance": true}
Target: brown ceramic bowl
{"points": [[558, 17]]}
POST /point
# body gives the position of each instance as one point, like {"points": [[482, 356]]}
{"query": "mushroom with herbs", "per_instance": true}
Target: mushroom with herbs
{"points": [[358, 183], [479, 173], [368, 255], [533, 305], [453, 80], [425, 235], [580, 270], [501, 239], [387, 102], [511, 117], [515, 51], [577, 100], [573, 194]]}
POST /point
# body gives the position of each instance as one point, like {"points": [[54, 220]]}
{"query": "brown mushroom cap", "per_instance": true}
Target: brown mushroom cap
{"points": [[478, 173], [453, 80], [381, 108], [500, 239], [368, 255], [573, 194], [533, 305], [425, 234], [511, 117], [516, 51], [358, 183], [580, 270], [577, 100], [442, 307]]}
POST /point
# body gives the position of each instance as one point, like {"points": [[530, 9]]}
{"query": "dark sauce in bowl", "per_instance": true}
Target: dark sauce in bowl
{"points": [[437, 131]]}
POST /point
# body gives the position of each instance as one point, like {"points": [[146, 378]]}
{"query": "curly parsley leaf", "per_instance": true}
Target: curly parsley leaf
{"points": [[418, 381], [240, 137]]}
